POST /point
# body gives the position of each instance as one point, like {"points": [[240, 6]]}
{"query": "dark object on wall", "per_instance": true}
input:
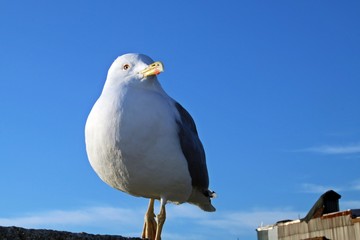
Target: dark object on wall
{"points": [[327, 203]]}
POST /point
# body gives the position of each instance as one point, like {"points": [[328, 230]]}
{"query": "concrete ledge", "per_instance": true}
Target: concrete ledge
{"points": [[17, 233]]}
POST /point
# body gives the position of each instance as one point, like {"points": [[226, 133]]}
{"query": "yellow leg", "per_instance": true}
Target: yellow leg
{"points": [[161, 219], [150, 225]]}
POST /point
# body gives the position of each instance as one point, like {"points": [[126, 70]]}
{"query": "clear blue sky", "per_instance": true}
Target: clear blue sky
{"points": [[274, 87]]}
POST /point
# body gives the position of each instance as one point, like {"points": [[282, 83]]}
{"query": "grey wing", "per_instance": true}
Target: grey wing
{"points": [[193, 150]]}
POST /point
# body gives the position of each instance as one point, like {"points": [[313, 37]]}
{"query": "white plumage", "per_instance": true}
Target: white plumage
{"points": [[142, 142]]}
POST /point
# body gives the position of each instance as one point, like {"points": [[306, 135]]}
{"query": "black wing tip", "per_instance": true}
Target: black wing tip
{"points": [[210, 194]]}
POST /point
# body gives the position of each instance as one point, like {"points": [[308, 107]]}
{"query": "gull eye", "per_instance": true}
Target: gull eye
{"points": [[126, 66]]}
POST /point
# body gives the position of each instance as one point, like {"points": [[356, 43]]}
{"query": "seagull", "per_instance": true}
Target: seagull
{"points": [[142, 142]]}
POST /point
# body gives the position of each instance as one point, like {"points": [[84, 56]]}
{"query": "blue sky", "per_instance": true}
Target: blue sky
{"points": [[272, 85]]}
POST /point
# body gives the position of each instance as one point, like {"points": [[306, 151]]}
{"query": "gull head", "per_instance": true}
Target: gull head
{"points": [[133, 69]]}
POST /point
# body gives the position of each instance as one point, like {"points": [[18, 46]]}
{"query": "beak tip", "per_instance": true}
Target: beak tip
{"points": [[153, 69]]}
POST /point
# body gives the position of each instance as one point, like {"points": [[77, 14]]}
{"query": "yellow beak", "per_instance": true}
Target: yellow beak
{"points": [[153, 69]]}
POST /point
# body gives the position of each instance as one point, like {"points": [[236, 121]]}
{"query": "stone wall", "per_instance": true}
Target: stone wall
{"points": [[17, 233]]}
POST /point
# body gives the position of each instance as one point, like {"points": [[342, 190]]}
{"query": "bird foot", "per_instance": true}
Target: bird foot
{"points": [[150, 225], [152, 229]]}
